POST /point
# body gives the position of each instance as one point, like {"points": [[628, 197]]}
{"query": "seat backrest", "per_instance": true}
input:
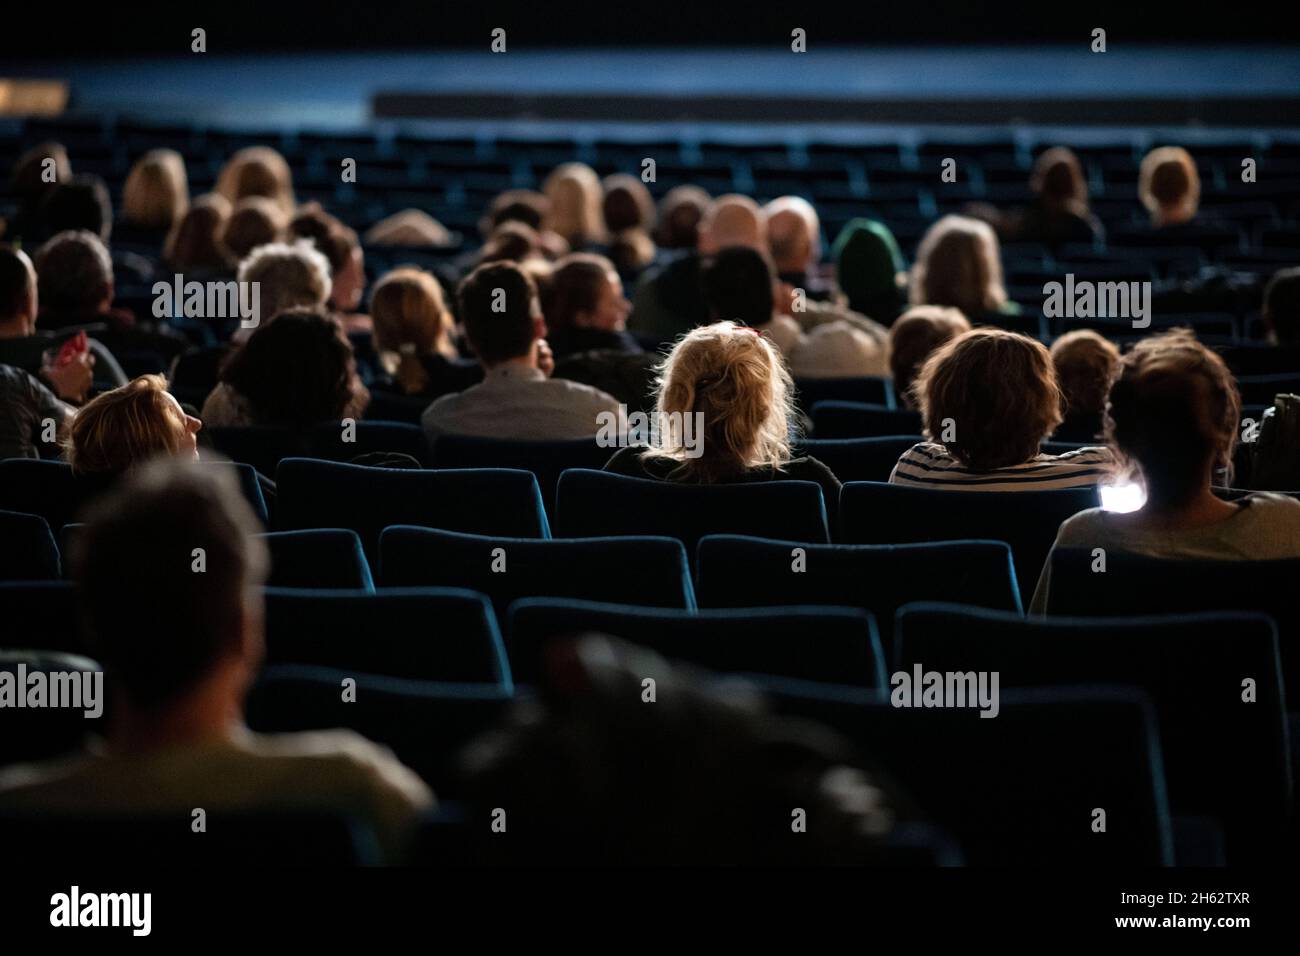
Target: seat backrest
{"points": [[1023, 788], [337, 441], [39, 733], [1261, 389], [833, 419], [860, 459], [324, 494], [1134, 584], [318, 558], [865, 388], [547, 460], [28, 551], [442, 634], [594, 503], [828, 644], [1193, 667], [879, 513], [40, 615], [739, 571], [629, 570], [425, 723], [51, 490]]}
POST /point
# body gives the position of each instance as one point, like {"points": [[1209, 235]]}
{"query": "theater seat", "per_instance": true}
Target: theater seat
{"points": [[859, 459], [545, 459], [28, 551], [862, 420], [39, 733], [630, 570], [865, 388], [738, 571], [425, 723], [1020, 789], [1192, 666], [323, 494], [442, 634], [51, 490], [1136, 584], [318, 558], [232, 838], [594, 503], [837, 645], [878, 513], [265, 446]]}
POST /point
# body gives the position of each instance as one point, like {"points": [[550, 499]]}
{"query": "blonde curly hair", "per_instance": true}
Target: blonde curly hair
{"points": [[735, 377]]}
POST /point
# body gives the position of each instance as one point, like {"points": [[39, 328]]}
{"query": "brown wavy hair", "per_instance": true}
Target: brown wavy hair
{"points": [[999, 389], [411, 319], [1173, 408], [124, 427]]}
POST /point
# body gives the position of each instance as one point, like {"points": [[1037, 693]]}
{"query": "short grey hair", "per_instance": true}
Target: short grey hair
{"points": [[291, 275], [74, 271]]}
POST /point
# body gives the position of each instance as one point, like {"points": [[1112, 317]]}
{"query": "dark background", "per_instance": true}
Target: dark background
{"points": [[119, 28]]}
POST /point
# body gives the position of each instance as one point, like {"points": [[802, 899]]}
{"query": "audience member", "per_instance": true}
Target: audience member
{"points": [[295, 371], [1059, 212], [517, 399], [575, 199], [289, 276], [629, 213], [32, 351], [1084, 363], [1172, 421], [180, 650], [1169, 186], [988, 399], [257, 171], [35, 175], [1281, 311], [340, 246], [958, 264], [870, 271], [795, 245], [192, 247], [255, 221], [913, 338], [585, 308], [680, 213], [155, 196], [733, 378], [414, 336], [127, 426]]}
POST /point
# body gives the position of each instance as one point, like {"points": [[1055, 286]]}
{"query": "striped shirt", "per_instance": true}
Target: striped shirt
{"points": [[928, 465]]}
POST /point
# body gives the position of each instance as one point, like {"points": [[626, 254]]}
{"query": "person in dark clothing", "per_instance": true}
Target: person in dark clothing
{"points": [[32, 352], [585, 308], [724, 411]]}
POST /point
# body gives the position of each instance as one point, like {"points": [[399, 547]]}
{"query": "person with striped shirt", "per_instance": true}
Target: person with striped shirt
{"points": [[988, 399]]}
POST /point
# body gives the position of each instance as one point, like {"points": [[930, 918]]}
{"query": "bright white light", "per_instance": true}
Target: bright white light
{"points": [[1122, 498]]}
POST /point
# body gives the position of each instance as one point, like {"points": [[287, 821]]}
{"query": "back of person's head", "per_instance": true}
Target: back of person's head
{"points": [[914, 337], [515, 205], [1085, 362], [257, 171], [868, 268], [156, 193], [33, 174], [958, 263], [995, 391], [18, 290], [515, 241], [255, 221], [627, 203], [573, 295], [340, 245], [707, 775], [1168, 184], [1173, 414], [158, 627], [680, 213], [81, 203], [575, 204], [732, 220], [410, 320], [1282, 306], [194, 241], [75, 273], [735, 378], [294, 371], [500, 311], [291, 276], [737, 284], [793, 233], [127, 426], [1058, 180]]}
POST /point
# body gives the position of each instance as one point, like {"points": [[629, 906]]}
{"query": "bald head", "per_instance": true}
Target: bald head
{"points": [[793, 233], [733, 220], [18, 301]]}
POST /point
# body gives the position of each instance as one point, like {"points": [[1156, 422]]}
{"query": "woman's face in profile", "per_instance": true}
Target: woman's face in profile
{"points": [[189, 429]]}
